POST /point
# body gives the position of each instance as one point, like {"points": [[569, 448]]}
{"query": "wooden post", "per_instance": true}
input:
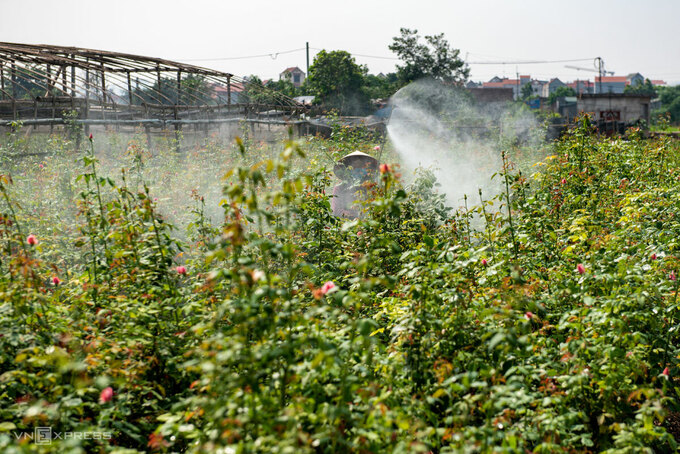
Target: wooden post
{"points": [[87, 84], [49, 80], [86, 114], [147, 129], [73, 86], [73, 79], [229, 90], [14, 90], [35, 112], [103, 83], [158, 74], [179, 86], [178, 127], [2, 82], [53, 115], [129, 81], [103, 91], [64, 85]]}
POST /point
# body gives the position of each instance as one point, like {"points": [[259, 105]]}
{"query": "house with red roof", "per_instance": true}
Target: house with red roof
{"points": [[611, 84], [294, 74], [515, 84], [616, 84], [582, 86]]}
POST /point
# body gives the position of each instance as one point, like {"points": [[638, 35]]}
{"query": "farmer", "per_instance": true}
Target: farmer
{"points": [[354, 170]]}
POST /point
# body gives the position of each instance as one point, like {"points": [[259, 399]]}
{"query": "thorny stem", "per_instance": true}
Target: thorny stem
{"points": [[487, 227], [668, 331], [507, 199], [14, 217], [467, 220]]}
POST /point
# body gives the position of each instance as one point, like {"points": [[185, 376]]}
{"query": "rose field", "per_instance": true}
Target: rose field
{"points": [[207, 300]]}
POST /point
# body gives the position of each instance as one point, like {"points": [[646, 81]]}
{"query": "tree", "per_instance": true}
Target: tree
{"points": [[435, 59], [283, 86], [560, 92], [337, 82], [29, 82], [670, 102], [527, 92], [380, 87], [193, 90], [256, 92], [641, 88]]}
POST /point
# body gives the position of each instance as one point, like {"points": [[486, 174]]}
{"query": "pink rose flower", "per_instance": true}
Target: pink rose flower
{"points": [[327, 287], [484, 262], [665, 372], [384, 168], [106, 395], [181, 270], [580, 268], [56, 280], [529, 315], [32, 240]]}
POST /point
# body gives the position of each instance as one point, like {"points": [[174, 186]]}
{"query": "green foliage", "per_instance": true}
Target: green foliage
{"points": [[559, 92], [193, 90], [29, 82], [258, 92], [337, 82], [435, 59], [284, 86], [526, 92], [543, 319], [380, 87], [641, 88], [670, 102]]}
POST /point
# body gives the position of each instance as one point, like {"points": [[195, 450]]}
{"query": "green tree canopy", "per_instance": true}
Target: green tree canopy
{"points": [[380, 87], [435, 58], [559, 92], [284, 86], [193, 90], [337, 81], [641, 88], [527, 92], [670, 102]]}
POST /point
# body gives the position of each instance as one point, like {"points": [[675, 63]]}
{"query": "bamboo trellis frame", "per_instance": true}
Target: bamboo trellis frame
{"points": [[100, 84]]}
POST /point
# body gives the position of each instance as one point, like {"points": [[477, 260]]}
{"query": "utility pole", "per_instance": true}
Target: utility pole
{"points": [[599, 71], [307, 58]]}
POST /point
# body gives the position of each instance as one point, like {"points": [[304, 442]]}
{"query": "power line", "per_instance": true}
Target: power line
{"points": [[272, 55], [525, 62], [364, 55]]}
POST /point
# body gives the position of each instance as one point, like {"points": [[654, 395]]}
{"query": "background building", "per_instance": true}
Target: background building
{"points": [[294, 74]]}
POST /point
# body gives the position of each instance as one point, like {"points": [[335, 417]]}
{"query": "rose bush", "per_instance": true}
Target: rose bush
{"points": [[543, 320]]}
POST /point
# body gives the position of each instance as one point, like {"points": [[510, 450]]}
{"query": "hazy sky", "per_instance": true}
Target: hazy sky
{"points": [[631, 36]]}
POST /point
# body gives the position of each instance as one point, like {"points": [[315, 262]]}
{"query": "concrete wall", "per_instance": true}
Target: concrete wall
{"points": [[630, 108], [492, 95]]}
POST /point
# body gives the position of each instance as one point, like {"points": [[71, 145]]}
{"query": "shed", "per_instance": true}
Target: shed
{"points": [[621, 107]]}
